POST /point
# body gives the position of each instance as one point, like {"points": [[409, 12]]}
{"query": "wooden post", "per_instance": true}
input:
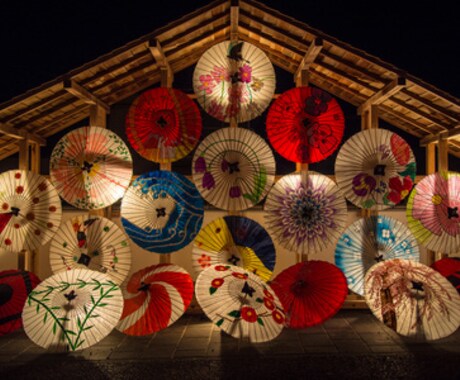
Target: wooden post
{"points": [[443, 166], [430, 163]]}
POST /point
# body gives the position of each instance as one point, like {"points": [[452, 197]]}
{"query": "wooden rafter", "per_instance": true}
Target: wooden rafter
{"points": [[386, 92], [234, 17], [434, 138], [167, 75], [79, 91], [312, 52], [22, 134]]}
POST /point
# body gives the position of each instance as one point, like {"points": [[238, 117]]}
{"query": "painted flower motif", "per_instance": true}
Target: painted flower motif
{"points": [[224, 165], [320, 137], [216, 110], [256, 84], [278, 317], [269, 304], [268, 295], [220, 74], [207, 84], [204, 261], [235, 192], [208, 181], [220, 268], [200, 165], [399, 189], [317, 102], [400, 149], [363, 184], [248, 314], [217, 282], [245, 73], [241, 276]]}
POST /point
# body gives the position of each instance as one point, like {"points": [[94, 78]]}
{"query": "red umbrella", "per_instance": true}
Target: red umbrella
{"points": [[163, 125], [310, 292], [449, 267], [15, 286], [305, 124]]}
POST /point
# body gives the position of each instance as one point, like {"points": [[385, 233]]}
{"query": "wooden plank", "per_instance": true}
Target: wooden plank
{"points": [[234, 17], [386, 92], [82, 93], [312, 52], [21, 134], [434, 138]]}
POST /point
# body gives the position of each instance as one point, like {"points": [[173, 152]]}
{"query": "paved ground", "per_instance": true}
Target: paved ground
{"points": [[352, 345]]}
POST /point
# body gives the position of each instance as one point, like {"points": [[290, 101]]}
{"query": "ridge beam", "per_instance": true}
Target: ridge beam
{"points": [[234, 17], [22, 134]]}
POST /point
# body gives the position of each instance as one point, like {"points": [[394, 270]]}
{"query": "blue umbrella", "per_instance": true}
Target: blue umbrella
{"points": [[162, 211]]}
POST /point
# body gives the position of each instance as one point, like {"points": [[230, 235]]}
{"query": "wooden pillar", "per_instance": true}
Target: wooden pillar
{"points": [[430, 164], [443, 166]]}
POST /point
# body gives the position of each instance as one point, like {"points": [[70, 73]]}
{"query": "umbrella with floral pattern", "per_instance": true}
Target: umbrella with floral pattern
{"points": [[235, 240], [92, 242], [234, 80], [305, 124], [449, 267], [412, 299], [30, 211], [240, 303], [310, 292], [233, 168], [371, 240], [72, 310], [163, 124], [375, 169], [305, 212], [91, 167], [433, 212]]}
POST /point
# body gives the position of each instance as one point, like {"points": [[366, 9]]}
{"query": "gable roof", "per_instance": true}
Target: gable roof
{"points": [[350, 74]]}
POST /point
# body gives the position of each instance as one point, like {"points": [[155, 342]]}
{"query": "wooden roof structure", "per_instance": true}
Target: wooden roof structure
{"points": [[350, 74]]}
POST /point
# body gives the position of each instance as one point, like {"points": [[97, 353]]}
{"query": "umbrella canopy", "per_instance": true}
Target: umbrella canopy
{"points": [[155, 297], [240, 303], [305, 124], [235, 240], [233, 168], [305, 213], [162, 211], [412, 299], [30, 210], [433, 212], [310, 292], [91, 167], [163, 124], [375, 168], [93, 242], [72, 310], [234, 79], [371, 240], [15, 286], [449, 267]]}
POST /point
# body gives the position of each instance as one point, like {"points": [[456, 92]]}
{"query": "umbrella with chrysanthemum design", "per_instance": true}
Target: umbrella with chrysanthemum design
{"points": [[240, 303]]}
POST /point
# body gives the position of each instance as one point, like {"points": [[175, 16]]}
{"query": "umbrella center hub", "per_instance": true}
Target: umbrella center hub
{"points": [[84, 259], [162, 122], [417, 286], [144, 287], [298, 287], [71, 295], [233, 167], [452, 212], [15, 211], [161, 212], [379, 169], [87, 166], [6, 292]]}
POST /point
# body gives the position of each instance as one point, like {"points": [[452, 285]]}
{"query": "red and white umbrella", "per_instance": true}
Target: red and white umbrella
{"points": [[240, 303], [449, 267], [155, 297], [30, 211], [91, 167]]}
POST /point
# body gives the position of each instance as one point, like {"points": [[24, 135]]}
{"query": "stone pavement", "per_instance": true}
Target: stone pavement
{"points": [[351, 345]]}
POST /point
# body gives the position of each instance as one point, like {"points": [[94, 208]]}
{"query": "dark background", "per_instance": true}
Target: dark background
{"points": [[42, 40]]}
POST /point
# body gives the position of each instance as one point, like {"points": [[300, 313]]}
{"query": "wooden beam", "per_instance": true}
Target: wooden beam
{"points": [[79, 91], [443, 153], [22, 134], [370, 118], [97, 116], [387, 91], [451, 133], [234, 17], [312, 52], [167, 75]]}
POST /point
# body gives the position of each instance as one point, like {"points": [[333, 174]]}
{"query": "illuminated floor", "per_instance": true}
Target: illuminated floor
{"points": [[353, 344]]}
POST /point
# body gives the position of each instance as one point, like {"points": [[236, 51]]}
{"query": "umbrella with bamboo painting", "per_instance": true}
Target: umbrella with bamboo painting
{"points": [[72, 310], [30, 211], [91, 167], [233, 168], [91, 242], [240, 303], [412, 299]]}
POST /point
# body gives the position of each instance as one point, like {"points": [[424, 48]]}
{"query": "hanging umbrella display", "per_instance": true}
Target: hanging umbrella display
{"points": [[433, 212], [163, 124], [449, 267], [412, 299], [72, 310], [234, 80], [375, 169], [240, 303], [305, 124], [310, 292], [155, 297], [15, 286], [162, 211], [371, 240], [305, 213], [233, 168], [92, 242], [30, 210], [91, 167], [235, 240]]}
